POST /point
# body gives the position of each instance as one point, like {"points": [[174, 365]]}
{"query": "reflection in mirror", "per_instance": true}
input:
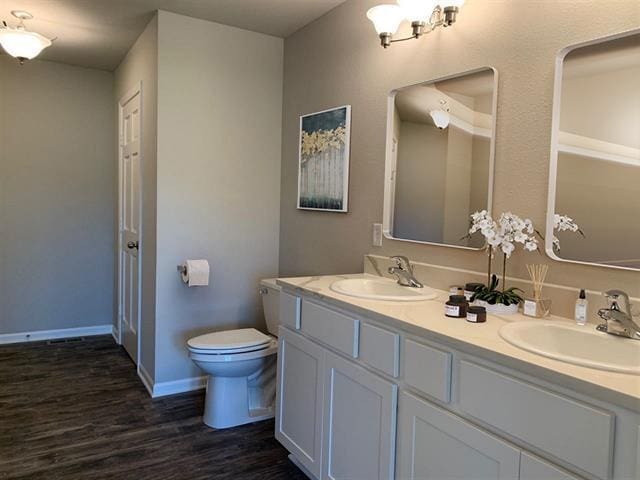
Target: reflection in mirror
{"points": [[439, 166], [595, 161]]}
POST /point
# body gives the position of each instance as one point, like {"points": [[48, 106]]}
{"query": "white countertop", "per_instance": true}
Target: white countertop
{"points": [[427, 319]]}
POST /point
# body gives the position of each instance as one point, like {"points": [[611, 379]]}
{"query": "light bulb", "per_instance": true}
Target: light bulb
{"points": [[386, 18], [417, 10], [440, 118], [20, 43]]}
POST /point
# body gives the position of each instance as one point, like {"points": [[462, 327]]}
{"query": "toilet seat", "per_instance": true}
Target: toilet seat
{"points": [[230, 342], [221, 356]]}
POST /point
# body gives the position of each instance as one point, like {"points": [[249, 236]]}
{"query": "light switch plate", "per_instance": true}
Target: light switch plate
{"points": [[377, 234]]}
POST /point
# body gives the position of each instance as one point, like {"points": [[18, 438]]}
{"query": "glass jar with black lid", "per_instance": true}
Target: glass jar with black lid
{"points": [[456, 307]]}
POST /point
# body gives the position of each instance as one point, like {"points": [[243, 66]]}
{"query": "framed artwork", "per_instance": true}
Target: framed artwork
{"points": [[323, 162]]}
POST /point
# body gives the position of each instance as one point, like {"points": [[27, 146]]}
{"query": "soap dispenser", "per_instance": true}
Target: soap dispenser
{"points": [[582, 307]]}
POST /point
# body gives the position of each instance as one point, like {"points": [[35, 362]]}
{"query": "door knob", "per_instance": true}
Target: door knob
{"points": [[132, 245]]}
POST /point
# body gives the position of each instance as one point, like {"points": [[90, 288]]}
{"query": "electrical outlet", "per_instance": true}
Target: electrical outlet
{"points": [[377, 234]]}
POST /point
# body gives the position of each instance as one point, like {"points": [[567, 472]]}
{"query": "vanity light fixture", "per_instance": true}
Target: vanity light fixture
{"points": [[424, 15], [19, 42]]}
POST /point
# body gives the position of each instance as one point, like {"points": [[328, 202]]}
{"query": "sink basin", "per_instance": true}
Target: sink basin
{"points": [[574, 344], [381, 289]]}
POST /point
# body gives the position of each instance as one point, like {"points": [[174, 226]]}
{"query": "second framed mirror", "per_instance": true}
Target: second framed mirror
{"points": [[439, 159]]}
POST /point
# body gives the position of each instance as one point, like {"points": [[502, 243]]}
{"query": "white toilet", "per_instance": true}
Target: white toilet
{"points": [[241, 365]]}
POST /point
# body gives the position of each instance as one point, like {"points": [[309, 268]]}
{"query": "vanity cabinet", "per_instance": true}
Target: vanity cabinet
{"points": [[360, 419], [300, 398], [435, 444], [532, 468], [361, 400]]}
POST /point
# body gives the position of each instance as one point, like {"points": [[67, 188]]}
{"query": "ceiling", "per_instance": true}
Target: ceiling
{"points": [[98, 33], [415, 101]]}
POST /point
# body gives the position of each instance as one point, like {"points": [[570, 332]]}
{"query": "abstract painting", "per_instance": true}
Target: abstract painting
{"points": [[323, 173]]}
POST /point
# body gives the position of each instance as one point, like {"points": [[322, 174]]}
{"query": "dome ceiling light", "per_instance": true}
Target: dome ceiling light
{"points": [[19, 42], [424, 15]]}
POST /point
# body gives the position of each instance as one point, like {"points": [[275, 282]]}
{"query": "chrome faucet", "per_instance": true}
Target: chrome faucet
{"points": [[618, 319], [404, 271]]}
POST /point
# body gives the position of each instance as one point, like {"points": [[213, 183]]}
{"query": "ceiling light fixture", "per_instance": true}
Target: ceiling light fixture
{"points": [[19, 42], [424, 15], [441, 116]]}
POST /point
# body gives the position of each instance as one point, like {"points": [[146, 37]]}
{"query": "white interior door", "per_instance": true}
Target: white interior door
{"points": [[130, 200]]}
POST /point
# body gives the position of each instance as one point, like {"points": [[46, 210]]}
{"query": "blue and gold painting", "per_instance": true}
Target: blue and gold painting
{"points": [[323, 176]]}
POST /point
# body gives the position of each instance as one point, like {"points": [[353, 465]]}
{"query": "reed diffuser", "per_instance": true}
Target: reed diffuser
{"points": [[537, 306]]}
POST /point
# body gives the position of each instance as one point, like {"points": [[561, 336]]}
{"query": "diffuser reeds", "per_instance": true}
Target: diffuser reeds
{"points": [[537, 307]]}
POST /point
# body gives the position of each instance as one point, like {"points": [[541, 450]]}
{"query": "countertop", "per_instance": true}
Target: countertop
{"points": [[427, 319]]}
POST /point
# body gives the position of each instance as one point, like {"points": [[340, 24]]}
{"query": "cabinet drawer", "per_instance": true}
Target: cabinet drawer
{"points": [[380, 348], [290, 310], [532, 468], [428, 369], [566, 429], [335, 329]]}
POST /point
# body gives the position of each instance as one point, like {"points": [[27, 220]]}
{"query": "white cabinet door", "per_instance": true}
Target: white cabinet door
{"points": [[359, 427], [437, 445], [299, 399], [532, 468]]}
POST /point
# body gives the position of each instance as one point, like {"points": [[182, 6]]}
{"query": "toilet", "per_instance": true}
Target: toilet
{"points": [[241, 367]]}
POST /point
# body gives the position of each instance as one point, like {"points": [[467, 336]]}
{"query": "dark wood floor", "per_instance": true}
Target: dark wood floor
{"points": [[77, 410]]}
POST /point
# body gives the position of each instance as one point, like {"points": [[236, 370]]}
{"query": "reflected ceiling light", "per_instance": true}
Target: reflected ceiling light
{"points": [[441, 118], [19, 42], [424, 15]]}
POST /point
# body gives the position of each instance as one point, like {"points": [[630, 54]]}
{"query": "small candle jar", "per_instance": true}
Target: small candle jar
{"points": [[476, 314], [470, 289], [456, 307], [456, 290]]}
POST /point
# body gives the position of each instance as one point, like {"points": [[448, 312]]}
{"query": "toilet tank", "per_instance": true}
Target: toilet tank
{"points": [[271, 304]]}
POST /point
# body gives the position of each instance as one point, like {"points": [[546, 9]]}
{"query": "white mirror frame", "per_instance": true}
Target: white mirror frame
{"points": [[555, 130], [387, 215]]}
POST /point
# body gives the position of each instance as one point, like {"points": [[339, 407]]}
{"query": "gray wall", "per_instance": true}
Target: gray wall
{"points": [[611, 227], [141, 65], [337, 60], [421, 174], [56, 196], [219, 137]]}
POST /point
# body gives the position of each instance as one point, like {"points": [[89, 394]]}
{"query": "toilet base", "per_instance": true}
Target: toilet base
{"points": [[227, 403]]}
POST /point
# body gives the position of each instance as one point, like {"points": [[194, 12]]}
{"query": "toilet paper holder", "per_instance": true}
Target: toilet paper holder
{"points": [[182, 269]]}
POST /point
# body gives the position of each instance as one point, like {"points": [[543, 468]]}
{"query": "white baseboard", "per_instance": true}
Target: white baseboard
{"points": [[146, 379], [163, 389], [174, 387], [40, 335], [115, 334]]}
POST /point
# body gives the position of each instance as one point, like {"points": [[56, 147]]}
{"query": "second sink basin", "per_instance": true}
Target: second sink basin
{"points": [[377, 288], [574, 344]]}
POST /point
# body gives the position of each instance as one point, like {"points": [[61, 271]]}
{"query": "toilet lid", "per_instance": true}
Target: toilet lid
{"points": [[230, 340]]}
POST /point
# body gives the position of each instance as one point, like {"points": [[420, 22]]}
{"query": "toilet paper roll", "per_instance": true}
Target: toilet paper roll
{"points": [[196, 273]]}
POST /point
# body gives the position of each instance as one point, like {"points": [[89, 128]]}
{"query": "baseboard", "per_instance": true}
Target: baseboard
{"points": [[174, 387], [147, 381], [40, 335], [115, 334], [163, 389]]}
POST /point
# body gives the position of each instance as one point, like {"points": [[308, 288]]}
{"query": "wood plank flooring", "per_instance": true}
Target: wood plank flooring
{"points": [[77, 410]]}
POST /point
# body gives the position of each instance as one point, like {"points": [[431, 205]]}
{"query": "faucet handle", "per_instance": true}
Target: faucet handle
{"points": [[614, 297], [402, 262]]}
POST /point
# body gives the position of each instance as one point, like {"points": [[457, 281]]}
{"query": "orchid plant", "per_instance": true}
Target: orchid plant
{"points": [[503, 236], [563, 223]]}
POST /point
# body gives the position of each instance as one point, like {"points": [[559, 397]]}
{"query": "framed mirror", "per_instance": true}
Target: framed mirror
{"points": [[594, 179], [439, 158]]}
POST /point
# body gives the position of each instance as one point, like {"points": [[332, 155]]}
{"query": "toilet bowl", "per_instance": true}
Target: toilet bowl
{"points": [[241, 368]]}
